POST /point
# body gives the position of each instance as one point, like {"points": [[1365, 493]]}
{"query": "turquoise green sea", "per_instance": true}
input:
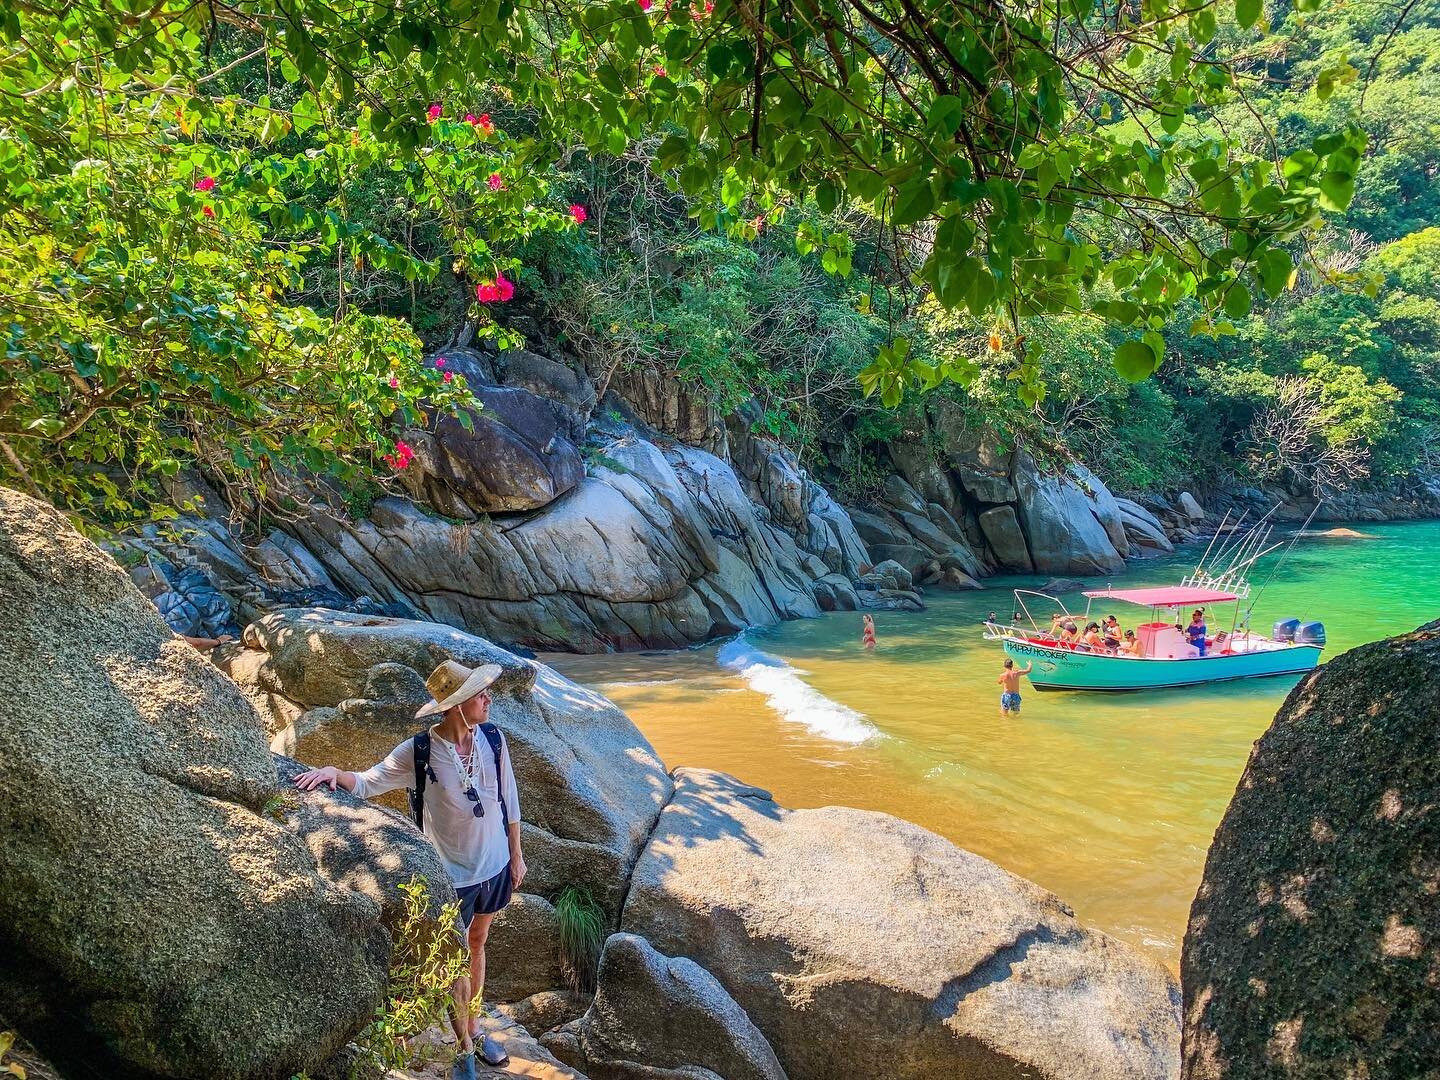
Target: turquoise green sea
{"points": [[1108, 800]]}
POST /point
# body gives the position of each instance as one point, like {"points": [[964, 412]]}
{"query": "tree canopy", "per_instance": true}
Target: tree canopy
{"points": [[195, 195]]}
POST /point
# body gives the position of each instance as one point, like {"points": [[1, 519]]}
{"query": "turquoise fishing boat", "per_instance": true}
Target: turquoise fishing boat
{"points": [[1164, 654]]}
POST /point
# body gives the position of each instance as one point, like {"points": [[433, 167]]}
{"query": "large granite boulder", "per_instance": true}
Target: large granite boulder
{"points": [[655, 1012], [1103, 505], [1314, 941], [915, 460], [1142, 527], [861, 945], [160, 916], [590, 785], [551, 379], [1006, 540], [1064, 534], [516, 454]]}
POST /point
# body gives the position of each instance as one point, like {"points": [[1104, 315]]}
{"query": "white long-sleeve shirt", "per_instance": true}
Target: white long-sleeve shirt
{"points": [[473, 849]]}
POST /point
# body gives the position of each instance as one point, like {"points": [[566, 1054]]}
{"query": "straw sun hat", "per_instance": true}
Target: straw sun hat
{"points": [[451, 684]]}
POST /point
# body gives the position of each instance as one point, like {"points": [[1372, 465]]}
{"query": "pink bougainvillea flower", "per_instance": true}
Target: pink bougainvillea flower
{"points": [[505, 288], [205, 184], [659, 69], [449, 375], [496, 181], [208, 211], [484, 124], [434, 111], [759, 223], [578, 213], [487, 294], [644, 4], [440, 361], [401, 457], [394, 383]]}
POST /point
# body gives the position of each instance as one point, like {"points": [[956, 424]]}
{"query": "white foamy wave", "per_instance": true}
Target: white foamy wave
{"points": [[621, 683], [791, 696]]}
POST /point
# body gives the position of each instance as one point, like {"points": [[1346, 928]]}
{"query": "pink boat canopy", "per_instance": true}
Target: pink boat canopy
{"points": [[1166, 596]]}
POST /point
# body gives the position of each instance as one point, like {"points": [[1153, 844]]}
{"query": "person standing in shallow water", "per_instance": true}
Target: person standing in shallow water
{"points": [[469, 810], [867, 634], [1009, 681]]}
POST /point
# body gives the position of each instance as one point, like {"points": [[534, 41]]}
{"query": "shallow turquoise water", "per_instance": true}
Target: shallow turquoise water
{"points": [[1109, 800]]}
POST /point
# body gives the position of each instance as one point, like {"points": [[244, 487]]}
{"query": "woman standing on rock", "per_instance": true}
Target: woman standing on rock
{"points": [[472, 817]]}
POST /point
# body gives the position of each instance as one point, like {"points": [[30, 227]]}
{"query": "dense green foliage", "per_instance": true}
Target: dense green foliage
{"points": [[225, 229]]}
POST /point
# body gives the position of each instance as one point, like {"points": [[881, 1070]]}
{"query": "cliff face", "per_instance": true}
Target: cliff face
{"points": [[558, 517]]}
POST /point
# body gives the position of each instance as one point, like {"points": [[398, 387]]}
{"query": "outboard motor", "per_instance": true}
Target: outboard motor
{"points": [[1310, 633], [1286, 629]]}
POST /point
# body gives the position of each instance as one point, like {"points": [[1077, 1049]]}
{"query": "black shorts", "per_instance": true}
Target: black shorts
{"points": [[486, 897]]}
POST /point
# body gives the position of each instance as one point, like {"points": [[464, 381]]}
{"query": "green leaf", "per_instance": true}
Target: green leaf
{"points": [[1135, 361], [913, 202], [1336, 190], [1237, 301], [1247, 12]]}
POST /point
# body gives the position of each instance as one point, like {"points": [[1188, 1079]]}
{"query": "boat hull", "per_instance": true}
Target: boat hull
{"points": [[1063, 669]]}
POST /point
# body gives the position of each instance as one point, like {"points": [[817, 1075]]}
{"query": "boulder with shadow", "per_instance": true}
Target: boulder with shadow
{"points": [[162, 914], [654, 1012], [1313, 948], [862, 945]]}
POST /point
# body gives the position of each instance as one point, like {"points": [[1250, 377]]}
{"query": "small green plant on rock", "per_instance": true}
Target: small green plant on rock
{"points": [[582, 934], [426, 961]]}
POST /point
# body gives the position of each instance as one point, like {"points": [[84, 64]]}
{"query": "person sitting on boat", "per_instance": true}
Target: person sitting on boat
{"points": [[1110, 631], [1057, 628], [1093, 638], [1195, 632], [1131, 645]]}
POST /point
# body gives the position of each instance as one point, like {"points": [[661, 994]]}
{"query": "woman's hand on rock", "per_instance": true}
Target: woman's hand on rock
{"points": [[313, 778]]}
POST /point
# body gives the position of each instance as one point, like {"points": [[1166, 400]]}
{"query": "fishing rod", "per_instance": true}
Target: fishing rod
{"points": [[1246, 543], [1252, 542], [1283, 559], [1218, 530]]}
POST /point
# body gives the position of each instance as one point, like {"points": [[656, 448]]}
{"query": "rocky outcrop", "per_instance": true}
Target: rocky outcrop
{"points": [[512, 452], [592, 787], [961, 502], [166, 912], [820, 922], [653, 1012], [1063, 531], [1142, 528], [1314, 941]]}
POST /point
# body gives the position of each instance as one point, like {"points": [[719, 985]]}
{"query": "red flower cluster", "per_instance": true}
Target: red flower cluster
{"points": [[208, 211], [659, 69], [449, 375], [495, 292], [578, 213], [402, 456], [394, 383], [440, 361], [205, 184], [434, 111], [482, 122], [644, 4], [496, 181]]}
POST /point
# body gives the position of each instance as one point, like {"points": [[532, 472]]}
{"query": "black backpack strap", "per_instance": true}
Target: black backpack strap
{"points": [[422, 770], [493, 737]]}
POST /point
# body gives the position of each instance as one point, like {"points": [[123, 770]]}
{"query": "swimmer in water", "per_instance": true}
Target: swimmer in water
{"points": [[867, 635], [1009, 681]]}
